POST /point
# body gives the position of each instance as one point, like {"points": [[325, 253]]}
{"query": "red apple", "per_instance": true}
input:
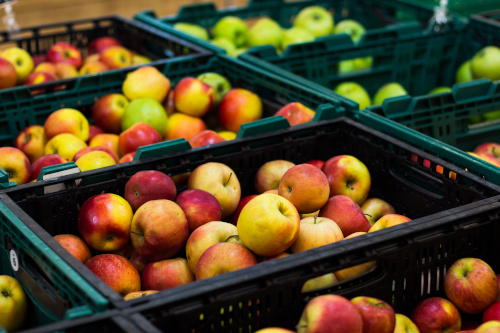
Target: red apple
{"points": [[127, 157], [317, 163], [436, 314], [138, 260], [147, 185], [86, 150], [16, 164], [205, 138], [492, 326], [243, 201], [181, 125], [346, 213], [347, 175], [116, 56], [471, 285], [296, 113], [239, 106], [93, 131], [378, 316], [388, 221], [8, 74], [138, 135], [269, 175], [75, 246], [108, 111], [316, 231], [166, 274], [159, 229], [116, 271], [330, 314], [104, 222], [101, 43], [200, 207], [64, 52], [39, 77], [31, 141], [43, 161], [492, 312], [489, 151], [193, 97]]}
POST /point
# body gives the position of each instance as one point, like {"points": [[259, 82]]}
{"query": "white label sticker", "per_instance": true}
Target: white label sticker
{"points": [[14, 261]]}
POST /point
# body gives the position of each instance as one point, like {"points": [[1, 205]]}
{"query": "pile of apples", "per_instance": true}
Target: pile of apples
{"points": [[152, 238], [471, 288], [236, 35], [63, 60], [147, 111]]}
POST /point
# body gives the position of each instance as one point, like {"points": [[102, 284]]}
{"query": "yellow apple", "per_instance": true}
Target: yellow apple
{"points": [[65, 145]]}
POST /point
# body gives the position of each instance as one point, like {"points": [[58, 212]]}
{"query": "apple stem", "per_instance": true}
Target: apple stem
{"points": [[367, 214], [136, 233], [228, 179], [233, 236], [315, 218]]}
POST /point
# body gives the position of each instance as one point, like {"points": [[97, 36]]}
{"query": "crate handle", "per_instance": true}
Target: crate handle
{"points": [[162, 148], [58, 170], [396, 105], [263, 126], [328, 112], [4, 180], [471, 91]]}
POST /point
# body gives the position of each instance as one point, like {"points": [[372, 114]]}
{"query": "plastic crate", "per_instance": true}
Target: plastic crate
{"points": [[51, 207], [20, 108], [386, 21], [55, 291], [465, 7]]}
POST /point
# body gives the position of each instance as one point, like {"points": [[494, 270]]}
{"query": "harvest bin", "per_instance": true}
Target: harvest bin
{"points": [[20, 108], [51, 207]]}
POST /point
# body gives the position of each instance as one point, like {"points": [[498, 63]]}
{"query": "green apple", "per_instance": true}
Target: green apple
{"points": [[351, 27], [296, 35], [388, 90], [265, 31], [354, 91], [232, 28], [438, 90], [351, 65], [464, 73], [239, 51], [316, 19], [146, 110], [225, 44], [220, 84], [486, 63], [494, 115], [192, 29], [475, 119]]}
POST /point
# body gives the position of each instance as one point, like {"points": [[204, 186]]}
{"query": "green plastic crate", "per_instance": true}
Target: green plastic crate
{"points": [[21, 108], [464, 7], [56, 293], [386, 21]]}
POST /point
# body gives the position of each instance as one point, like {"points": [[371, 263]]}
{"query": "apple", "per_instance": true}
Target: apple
{"points": [[355, 64], [93, 131], [375, 208], [64, 52], [13, 302], [22, 61], [315, 232], [193, 97], [116, 56], [315, 19], [405, 325], [166, 274], [439, 90], [224, 44], [353, 271], [219, 180], [322, 281], [330, 314], [16, 164], [138, 294], [88, 149], [205, 236], [138, 59], [471, 285], [239, 106], [31, 141], [351, 27], [65, 70], [101, 43], [436, 314], [147, 185], [146, 81], [43, 161], [205, 138], [295, 35], [46, 67], [37, 78], [306, 187], [489, 327], [492, 312], [108, 140], [354, 91], [107, 112], [388, 221], [464, 72], [67, 120], [199, 206], [138, 135], [220, 84], [488, 150], [127, 157], [296, 113], [378, 316], [138, 260], [192, 29], [485, 63], [265, 31], [181, 125], [274, 330], [233, 28], [159, 229], [222, 258], [116, 271], [94, 159], [146, 110], [346, 213], [8, 74], [388, 90], [65, 145], [317, 163], [104, 222], [92, 67], [349, 176], [243, 201], [269, 175], [75, 246], [268, 224]]}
